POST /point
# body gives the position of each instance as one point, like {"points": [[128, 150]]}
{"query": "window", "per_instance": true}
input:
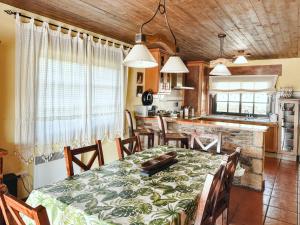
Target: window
{"points": [[241, 103]]}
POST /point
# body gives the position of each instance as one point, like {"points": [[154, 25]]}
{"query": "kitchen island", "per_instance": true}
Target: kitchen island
{"points": [[247, 136]]}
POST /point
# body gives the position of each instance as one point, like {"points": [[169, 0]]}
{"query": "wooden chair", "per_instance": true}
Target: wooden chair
{"points": [[166, 137], [215, 139], [206, 213], [11, 208], [70, 157], [139, 132], [224, 197], [129, 146]]}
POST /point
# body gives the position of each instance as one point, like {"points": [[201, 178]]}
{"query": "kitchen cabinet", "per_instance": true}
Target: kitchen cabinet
{"points": [[271, 139], [154, 80], [197, 78]]}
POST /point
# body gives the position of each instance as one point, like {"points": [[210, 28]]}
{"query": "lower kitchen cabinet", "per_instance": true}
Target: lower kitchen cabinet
{"points": [[271, 139]]}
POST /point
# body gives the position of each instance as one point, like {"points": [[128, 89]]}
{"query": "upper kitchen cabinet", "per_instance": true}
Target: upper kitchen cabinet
{"points": [[154, 80], [197, 78]]}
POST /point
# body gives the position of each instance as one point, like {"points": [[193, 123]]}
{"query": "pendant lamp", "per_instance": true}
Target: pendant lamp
{"points": [[140, 56], [241, 57], [220, 69]]}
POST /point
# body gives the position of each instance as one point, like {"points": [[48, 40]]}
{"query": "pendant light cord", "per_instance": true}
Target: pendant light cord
{"points": [[161, 8], [221, 37]]}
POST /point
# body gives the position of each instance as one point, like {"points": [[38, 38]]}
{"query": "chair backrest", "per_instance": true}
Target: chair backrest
{"points": [[232, 161], [162, 125], [12, 207], [206, 211], [130, 123], [129, 146], [70, 157]]}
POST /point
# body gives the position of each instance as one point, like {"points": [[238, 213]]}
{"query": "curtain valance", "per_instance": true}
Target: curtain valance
{"points": [[243, 83]]}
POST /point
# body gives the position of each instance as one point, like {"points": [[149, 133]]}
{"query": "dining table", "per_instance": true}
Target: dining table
{"points": [[118, 193]]}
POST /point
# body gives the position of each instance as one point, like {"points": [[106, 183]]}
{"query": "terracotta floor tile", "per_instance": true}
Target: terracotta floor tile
{"points": [[266, 199], [283, 184], [267, 191], [284, 203], [282, 215], [283, 194], [276, 205], [286, 187], [269, 184], [270, 221]]}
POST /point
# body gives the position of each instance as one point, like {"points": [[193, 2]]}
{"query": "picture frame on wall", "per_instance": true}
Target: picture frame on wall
{"points": [[140, 78], [139, 90]]}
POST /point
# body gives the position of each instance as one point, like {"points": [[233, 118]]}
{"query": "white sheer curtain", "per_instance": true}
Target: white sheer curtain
{"points": [[69, 90]]}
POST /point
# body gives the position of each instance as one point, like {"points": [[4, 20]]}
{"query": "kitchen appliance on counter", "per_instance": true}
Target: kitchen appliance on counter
{"points": [[147, 97], [145, 110], [289, 128]]}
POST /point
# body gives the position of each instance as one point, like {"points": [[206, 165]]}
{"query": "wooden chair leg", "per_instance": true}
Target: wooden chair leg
{"points": [[152, 140], [225, 217], [148, 141]]}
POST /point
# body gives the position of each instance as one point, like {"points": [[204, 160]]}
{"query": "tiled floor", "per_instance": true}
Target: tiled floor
{"points": [[277, 205]]}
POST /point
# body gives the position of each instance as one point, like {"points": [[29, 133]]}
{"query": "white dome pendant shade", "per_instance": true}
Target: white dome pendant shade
{"points": [[174, 65], [140, 57], [220, 70], [240, 60]]}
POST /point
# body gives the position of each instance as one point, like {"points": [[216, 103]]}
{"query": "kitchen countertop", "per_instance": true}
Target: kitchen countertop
{"points": [[227, 125], [197, 120], [241, 119]]}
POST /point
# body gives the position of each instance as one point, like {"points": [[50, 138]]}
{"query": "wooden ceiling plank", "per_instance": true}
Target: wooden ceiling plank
{"points": [[234, 12], [266, 28]]}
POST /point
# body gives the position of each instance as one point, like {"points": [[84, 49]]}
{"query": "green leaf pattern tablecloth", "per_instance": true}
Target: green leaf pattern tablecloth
{"points": [[118, 194]]}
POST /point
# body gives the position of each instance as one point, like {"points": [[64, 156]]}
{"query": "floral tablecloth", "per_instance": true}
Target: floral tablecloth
{"points": [[118, 194]]}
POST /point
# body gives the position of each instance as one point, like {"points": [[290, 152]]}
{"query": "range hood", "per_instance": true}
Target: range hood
{"points": [[180, 83]]}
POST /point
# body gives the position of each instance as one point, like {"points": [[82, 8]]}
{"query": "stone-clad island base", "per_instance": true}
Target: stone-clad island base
{"points": [[249, 137]]}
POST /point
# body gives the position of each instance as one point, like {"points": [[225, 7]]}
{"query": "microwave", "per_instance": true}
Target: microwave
{"points": [[143, 110]]}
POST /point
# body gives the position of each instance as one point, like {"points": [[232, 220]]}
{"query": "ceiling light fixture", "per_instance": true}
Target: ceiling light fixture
{"points": [[220, 68], [140, 56], [241, 57]]}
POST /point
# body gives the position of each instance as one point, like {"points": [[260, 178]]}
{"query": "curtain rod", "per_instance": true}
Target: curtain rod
{"points": [[10, 12]]}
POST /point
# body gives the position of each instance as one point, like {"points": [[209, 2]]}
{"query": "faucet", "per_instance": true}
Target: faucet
{"points": [[248, 115]]}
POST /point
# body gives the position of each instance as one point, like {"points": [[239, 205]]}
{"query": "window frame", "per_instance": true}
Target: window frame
{"points": [[214, 106]]}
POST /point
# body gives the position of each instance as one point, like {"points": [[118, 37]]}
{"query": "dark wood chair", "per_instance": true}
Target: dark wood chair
{"points": [[70, 157], [224, 197], [129, 146], [139, 132], [11, 208], [206, 213], [166, 137]]}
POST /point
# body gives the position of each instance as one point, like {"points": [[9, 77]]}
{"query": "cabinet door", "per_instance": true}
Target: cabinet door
{"points": [[152, 75], [197, 78], [271, 139]]}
